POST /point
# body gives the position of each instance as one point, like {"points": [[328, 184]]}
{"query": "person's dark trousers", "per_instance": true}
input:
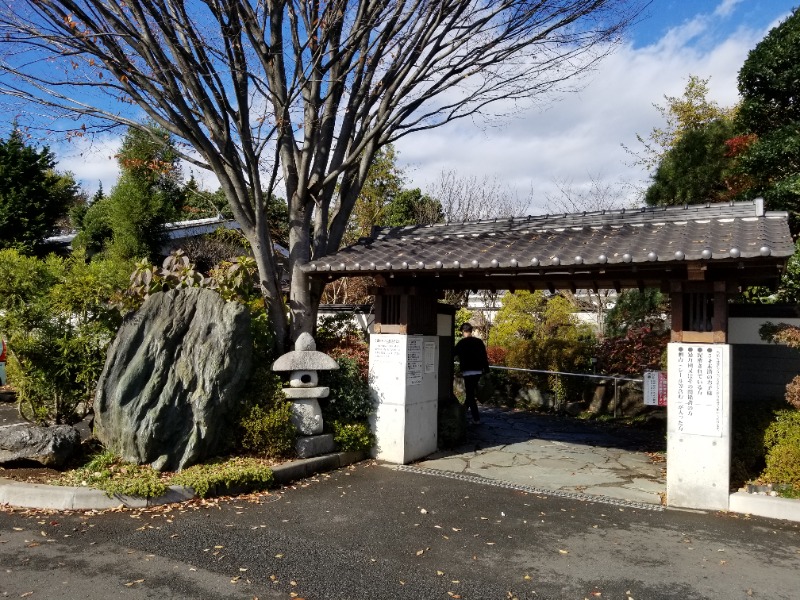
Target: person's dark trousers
{"points": [[471, 390]]}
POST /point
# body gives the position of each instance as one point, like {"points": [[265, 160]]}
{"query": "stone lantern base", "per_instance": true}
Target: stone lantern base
{"points": [[307, 446]]}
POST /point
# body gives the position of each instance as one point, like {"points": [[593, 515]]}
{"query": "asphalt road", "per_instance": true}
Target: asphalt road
{"points": [[372, 532]]}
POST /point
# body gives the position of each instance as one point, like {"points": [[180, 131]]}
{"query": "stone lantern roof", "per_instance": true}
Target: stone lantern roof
{"points": [[305, 357]]}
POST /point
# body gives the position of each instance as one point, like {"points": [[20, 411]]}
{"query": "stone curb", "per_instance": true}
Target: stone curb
{"points": [[53, 497], [765, 506]]}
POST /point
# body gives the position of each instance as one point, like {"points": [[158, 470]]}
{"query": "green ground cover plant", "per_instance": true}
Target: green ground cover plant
{"points": [[109, 473], [229, 475]]}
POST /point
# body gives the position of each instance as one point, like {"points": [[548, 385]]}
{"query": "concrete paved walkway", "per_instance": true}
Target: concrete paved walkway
{"points": [[572, 458]]}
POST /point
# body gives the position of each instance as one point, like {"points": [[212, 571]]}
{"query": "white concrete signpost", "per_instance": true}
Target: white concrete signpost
{"points": [[698, 425], [403, 375]]}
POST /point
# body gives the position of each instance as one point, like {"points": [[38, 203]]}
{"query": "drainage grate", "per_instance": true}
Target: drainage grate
{"points": [[530, 489]]}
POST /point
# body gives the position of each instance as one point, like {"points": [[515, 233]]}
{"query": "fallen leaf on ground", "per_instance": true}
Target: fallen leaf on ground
{"points": [[563, 551]]}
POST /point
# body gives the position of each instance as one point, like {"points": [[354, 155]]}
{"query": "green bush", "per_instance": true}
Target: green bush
{"points": [[553, 354], [269, 431], [783, 465], [782, 443], [263, 422], [235, 474], [750, 421], [352, 437], [462, 316], [332, 329], [349, 400], [542, 333], [58, 319]]}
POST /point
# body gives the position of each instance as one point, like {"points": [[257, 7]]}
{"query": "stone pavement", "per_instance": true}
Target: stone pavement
{"points": [[546, 453]]}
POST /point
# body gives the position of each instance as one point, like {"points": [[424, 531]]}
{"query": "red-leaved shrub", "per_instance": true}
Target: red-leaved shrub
{"points": [[358, 351], [639, 350], [497, 355]]}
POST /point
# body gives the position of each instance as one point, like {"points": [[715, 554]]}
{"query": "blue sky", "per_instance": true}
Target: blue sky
{"points": [[723, 17], [573, 141]]}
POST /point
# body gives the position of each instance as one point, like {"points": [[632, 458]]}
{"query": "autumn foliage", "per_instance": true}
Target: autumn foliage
{"points": [[640, 349], [497, 355], [736, 145]]}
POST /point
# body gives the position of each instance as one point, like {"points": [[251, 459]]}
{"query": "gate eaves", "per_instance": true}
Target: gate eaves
{"points": [[738, 243]]}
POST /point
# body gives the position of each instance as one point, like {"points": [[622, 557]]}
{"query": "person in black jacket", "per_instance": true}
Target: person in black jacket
{"points": [[471, 354]]}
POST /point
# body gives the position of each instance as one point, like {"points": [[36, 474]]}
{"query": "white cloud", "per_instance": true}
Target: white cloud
{"points": [[575, 138], [93, 163], [578, 137], [726, 8], [91, 160]]}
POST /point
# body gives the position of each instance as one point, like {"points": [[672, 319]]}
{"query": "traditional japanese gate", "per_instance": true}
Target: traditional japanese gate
{"points": [[700, 255]]}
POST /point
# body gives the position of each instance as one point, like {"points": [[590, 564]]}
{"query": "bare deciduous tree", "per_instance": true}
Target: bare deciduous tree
{"points": [[474, 198], [297, 92], [599, 195]]}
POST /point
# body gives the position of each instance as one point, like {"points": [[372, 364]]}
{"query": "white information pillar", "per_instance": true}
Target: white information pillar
{"points": [[698, 425], [404, 375]]}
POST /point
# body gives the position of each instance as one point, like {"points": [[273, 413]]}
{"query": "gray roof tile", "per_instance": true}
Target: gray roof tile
{"points": [[654, 236]]}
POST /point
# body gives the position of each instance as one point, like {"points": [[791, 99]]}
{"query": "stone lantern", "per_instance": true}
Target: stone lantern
{"points": [[303, 363]]}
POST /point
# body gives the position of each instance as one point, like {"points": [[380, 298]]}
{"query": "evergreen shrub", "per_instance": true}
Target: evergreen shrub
{"points": [[782, 444], [352, 437], [748, 453], [350, 399]]}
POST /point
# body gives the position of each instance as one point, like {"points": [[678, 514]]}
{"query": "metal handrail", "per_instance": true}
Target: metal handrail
{"points": [[640, 380], [590, 375]]}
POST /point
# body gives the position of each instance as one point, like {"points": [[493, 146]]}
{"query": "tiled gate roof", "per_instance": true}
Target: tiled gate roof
{"points": [[620, 248]]}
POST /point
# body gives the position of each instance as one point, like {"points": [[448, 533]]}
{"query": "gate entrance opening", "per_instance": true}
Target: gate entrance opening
{"points": [[700, 255]]}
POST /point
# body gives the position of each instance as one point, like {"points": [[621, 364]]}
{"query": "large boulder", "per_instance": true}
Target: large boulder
{"points": [[172, 378], [49, 446]]}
